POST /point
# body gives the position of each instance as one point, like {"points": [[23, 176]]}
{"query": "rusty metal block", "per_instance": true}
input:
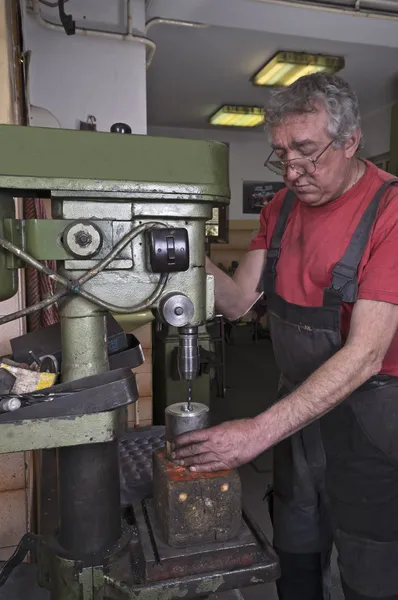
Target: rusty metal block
{"points": [[194, 508]]}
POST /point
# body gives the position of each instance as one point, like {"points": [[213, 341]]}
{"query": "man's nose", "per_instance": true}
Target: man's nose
{"points": [[290, 174]]}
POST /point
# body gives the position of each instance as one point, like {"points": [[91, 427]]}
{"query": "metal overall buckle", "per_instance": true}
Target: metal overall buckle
{"points": [[344, 281]]}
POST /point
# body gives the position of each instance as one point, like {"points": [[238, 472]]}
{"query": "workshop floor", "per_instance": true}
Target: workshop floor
{"points": [[252, 380]]}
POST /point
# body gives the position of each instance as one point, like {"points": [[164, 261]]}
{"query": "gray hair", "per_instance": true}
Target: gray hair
{"points": [[303, 96]]}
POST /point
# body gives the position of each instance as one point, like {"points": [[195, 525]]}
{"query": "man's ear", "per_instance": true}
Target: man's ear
{"points": [[352, 144]]}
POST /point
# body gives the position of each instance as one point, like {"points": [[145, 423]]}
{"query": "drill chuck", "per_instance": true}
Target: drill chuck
{"points": [[188, 353]]}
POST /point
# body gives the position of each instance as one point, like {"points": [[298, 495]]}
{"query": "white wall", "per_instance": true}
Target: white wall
{"points": [[377, 130], [247, 154], [7, 115], [73, 76]]}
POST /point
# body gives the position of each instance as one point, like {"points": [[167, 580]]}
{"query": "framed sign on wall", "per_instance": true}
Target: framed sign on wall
{"points": [[256, 194]]}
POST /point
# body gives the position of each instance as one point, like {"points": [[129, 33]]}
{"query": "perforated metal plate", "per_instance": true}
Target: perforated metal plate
{"points": [[136, 449]]}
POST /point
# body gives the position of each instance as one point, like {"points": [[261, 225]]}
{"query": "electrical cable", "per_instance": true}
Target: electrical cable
{"points": [[128, 309], [130, 36], [74, 287], [129, 237], [31, 309]]}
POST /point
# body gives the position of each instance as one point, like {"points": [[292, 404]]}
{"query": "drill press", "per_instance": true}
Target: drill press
{"points": [[127, 233]]}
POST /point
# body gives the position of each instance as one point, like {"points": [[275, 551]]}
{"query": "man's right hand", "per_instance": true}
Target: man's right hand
{"points": [[226, 446]]}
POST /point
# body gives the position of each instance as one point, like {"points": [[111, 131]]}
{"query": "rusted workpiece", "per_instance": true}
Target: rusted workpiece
{"points": [[194, 508]]}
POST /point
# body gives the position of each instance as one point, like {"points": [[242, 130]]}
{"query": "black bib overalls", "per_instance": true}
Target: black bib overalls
{"points": [[337, 479]]}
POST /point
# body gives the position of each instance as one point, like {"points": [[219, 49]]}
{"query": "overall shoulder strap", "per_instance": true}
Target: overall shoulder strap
{"points": [[344, 286], [273, 252]]}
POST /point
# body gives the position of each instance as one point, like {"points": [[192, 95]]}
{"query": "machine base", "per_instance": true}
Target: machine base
{"points": [[145, 568], [157, 561], [196, 572]]}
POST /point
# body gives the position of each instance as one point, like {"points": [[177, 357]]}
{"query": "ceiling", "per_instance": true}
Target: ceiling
{"points": [[197, 70]]}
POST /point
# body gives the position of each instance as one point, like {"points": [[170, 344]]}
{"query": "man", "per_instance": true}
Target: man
{"points": [[326, 257]]}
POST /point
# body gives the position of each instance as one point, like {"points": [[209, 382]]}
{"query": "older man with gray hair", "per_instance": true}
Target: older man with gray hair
{"points": [[326, 257]]}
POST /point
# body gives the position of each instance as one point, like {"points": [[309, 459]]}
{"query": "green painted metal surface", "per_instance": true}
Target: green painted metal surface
{"points": [[131, 322], [41, 239], [108, 162], [83, 339], [9, 279], [36, 434]]}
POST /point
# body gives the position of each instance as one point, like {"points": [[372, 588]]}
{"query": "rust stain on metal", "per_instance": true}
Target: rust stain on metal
{"points": [[178, 473]]}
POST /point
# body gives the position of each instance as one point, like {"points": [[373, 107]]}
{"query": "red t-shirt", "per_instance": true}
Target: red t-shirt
{"points": [[316, 238]]}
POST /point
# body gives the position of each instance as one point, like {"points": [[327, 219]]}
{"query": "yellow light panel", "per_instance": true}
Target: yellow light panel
{"points": [[286, 67], [238, 116]]}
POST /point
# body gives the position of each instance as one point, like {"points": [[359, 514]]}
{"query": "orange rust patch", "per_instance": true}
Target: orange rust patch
{"points": [[177, 473]]}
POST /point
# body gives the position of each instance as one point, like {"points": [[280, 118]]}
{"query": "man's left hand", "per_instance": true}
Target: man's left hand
{"points": [[226, 446]]}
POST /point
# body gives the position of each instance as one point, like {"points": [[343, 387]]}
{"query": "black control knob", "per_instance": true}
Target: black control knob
{"points": [[120, 128]]}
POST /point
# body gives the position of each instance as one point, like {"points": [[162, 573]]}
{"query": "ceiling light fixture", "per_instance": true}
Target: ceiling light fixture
{"points": [[238, 116], [286, 67]]}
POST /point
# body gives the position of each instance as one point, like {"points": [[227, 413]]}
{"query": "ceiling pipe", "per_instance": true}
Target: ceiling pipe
{"points": [[177, 22], [130, 36], [51, 4], [379, 9], [388, 6]]}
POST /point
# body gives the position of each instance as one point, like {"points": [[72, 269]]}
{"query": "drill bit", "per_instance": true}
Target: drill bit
{"points": [[189, 394]]}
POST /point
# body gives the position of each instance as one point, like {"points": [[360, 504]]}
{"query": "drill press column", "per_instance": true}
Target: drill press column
{"points": [[89, 484], [83, 338]]}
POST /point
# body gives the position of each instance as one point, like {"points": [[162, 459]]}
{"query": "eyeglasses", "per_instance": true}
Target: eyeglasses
{"points": [[301, 166]]}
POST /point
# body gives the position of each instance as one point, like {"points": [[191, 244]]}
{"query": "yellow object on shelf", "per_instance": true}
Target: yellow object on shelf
{"points": [[28, 381]]}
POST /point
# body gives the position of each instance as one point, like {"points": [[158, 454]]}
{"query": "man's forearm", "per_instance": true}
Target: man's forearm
{"points": [[373, 327], [235, 296], [334, 381], [226, 291]]}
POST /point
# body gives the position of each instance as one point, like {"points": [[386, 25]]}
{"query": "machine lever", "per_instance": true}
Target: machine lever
{"points": [[28, 543]]}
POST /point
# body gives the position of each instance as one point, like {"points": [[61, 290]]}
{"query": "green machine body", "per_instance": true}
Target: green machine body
{"points": [[8, 276]]}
